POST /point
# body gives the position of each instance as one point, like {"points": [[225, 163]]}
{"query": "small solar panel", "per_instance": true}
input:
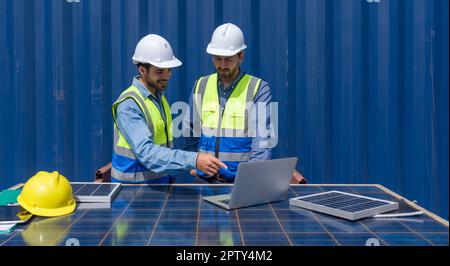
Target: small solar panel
{"points": [[94, 192], [344, 205]]}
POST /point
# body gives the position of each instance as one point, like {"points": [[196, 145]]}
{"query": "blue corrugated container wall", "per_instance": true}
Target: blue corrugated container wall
{"points": [[362, 86]]}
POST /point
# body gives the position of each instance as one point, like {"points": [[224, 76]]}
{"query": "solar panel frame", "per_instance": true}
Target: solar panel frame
{"points": [[366, 207], [89, 192]]}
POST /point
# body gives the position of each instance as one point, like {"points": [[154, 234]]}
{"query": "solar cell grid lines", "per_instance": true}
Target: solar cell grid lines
{"points": [[175, 216], [94, 192], [344, 205]]}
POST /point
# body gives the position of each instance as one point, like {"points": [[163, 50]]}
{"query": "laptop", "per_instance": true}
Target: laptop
{"points": [[257, 183]]}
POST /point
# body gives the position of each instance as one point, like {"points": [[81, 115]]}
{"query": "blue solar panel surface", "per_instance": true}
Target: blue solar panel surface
{"points": [[92, 189], [177, 216], [344, 202]]}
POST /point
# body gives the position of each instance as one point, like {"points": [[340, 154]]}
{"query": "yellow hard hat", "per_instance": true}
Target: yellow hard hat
{"points": [[47, 194]]}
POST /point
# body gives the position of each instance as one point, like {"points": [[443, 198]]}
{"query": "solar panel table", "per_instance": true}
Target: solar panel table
{"points": [[175, 215]]}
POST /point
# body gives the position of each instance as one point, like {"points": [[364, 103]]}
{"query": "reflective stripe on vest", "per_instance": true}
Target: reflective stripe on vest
{"points": [[134, 177], [231, 126], [230, 156], [125, 165]]}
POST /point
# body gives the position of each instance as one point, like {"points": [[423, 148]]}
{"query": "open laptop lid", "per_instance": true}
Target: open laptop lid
{"points": [[262, 182]]}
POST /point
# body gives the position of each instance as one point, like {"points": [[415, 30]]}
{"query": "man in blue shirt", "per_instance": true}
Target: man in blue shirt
{"points": [[143, 123], [220, 121]]}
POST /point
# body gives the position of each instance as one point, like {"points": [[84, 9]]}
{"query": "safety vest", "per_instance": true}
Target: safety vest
{"points": [[226, 133], [125, 166]]}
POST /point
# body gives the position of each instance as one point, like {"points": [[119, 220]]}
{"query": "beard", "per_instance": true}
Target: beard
{"points": [[226, 73], [159, 84]]}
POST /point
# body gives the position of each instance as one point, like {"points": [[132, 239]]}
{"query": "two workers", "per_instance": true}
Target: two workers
{"points": [[221, 128]]}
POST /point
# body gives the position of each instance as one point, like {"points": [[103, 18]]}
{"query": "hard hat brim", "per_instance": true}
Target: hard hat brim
{"points": [[169, 64], [223, 52], [46, 212]]}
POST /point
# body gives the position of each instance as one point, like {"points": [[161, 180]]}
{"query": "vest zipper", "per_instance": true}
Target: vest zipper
{"points": [[219, 127], [165, 123], [167, 134]]}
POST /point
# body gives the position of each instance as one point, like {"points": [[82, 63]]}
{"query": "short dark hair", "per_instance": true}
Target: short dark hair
{"points": [[145, 65]]}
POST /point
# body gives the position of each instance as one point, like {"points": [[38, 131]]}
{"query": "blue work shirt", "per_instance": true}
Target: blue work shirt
{"points": [[260, 148], [131, 123]]}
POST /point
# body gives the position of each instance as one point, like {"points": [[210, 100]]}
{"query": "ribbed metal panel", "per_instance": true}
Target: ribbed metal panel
{"points": [[362, 86]]}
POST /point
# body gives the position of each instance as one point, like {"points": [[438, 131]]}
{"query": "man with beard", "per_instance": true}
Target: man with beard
{"points": [[143, 140], [220, 121]]}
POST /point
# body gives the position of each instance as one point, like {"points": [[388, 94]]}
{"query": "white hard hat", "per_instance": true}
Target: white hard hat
{"points": [[154, 49], [227, 40]]}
